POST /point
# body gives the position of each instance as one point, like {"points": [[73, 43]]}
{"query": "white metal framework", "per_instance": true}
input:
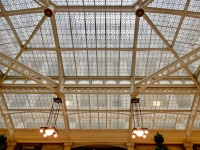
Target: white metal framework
{"points": [[95, 54]]}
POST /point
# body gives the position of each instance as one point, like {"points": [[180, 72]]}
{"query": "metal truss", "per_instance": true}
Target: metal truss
{"points": [[192, 117], [27, 72], [81, 49], [7, 118], [169, 69]]}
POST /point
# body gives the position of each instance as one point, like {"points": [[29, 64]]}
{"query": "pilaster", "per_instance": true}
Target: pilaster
{"points": [[67, 145], [130, 146], [188, 146], [11, 145]]}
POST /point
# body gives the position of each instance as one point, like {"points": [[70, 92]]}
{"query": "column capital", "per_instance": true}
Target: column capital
{"points": [[68, 144], [12, 143], [130, 144]]}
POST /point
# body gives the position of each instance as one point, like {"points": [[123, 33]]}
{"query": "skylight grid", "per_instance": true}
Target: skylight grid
{"points": [[92, 62], [101, 30], [2, 123], [81, 63], [64, 30], [188, 37], [127, 30], [59, 2], [90, 30], [112, 63], [8, 42], [166, 102], [25, 24], [128, 2], [169, 4], [194, 6], [98, 121], [112, 30], [18, 5], [147, 38], [29, 101], [69, 63], [78, 29], [125, 63], [97, 101], [44, 36], [194, 66], [167, 24]]}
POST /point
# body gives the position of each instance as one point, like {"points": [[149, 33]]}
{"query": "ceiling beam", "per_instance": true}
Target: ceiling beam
{"points": [[171, 49], [169, 69], [27, 72], [22, 49], [180, 23], [88, 49]]}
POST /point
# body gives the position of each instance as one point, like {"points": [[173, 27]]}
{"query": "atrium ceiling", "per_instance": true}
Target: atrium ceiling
{"points": [[96, 55]]}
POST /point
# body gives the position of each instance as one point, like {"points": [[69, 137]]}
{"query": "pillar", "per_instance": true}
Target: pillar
{"points": [[11, 145], [188, 146], [130, 146], [67, 146]]}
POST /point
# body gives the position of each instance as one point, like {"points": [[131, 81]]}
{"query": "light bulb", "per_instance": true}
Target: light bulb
{"points": [[49, 131], [41, 130], [45, 135], [146, 132], [133, 136], [144, 136], [55, 135]]}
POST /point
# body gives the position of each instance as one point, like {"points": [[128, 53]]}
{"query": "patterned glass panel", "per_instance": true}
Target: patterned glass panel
{"points": [[125, 63], [90, 30], [64, 29], [44, 36], [17, 5], [59, 2], [112, 30], [196, 125], [25, 24], [148, 62], [81, 63], [97, 101], [188, 37], [69, 63], [166, 24], [8, 42], [29, 101], [34, 120], [194, 6], [78, 29], [44, 62], [2, 123], [166, 101], [100, 29], [127, 30], [147, 38], [169, 4]]}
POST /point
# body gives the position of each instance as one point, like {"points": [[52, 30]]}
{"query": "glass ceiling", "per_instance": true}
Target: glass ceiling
{"points": [[98, 52]]}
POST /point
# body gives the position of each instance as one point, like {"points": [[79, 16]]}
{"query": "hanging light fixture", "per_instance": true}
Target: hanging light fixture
{"points": [[138, 129], [50, 128]]}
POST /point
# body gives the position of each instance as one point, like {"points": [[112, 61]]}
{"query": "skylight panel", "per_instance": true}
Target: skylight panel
{"points": [[101, 29], [64, 30], [8, 42], [167, 24], [112, 63], [147, 38], [127, 30], [166, 101], [112, 30], [2, 123], [75, 2], [69, 63], [188, 37], [92, 63], [125, 63], [194, 6], [196, 124], [59, 2], [128, 2], [81, 63], [18, 5], [169, 4], [78, 29], [25, 24], [44, 36], [90, 30]]}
